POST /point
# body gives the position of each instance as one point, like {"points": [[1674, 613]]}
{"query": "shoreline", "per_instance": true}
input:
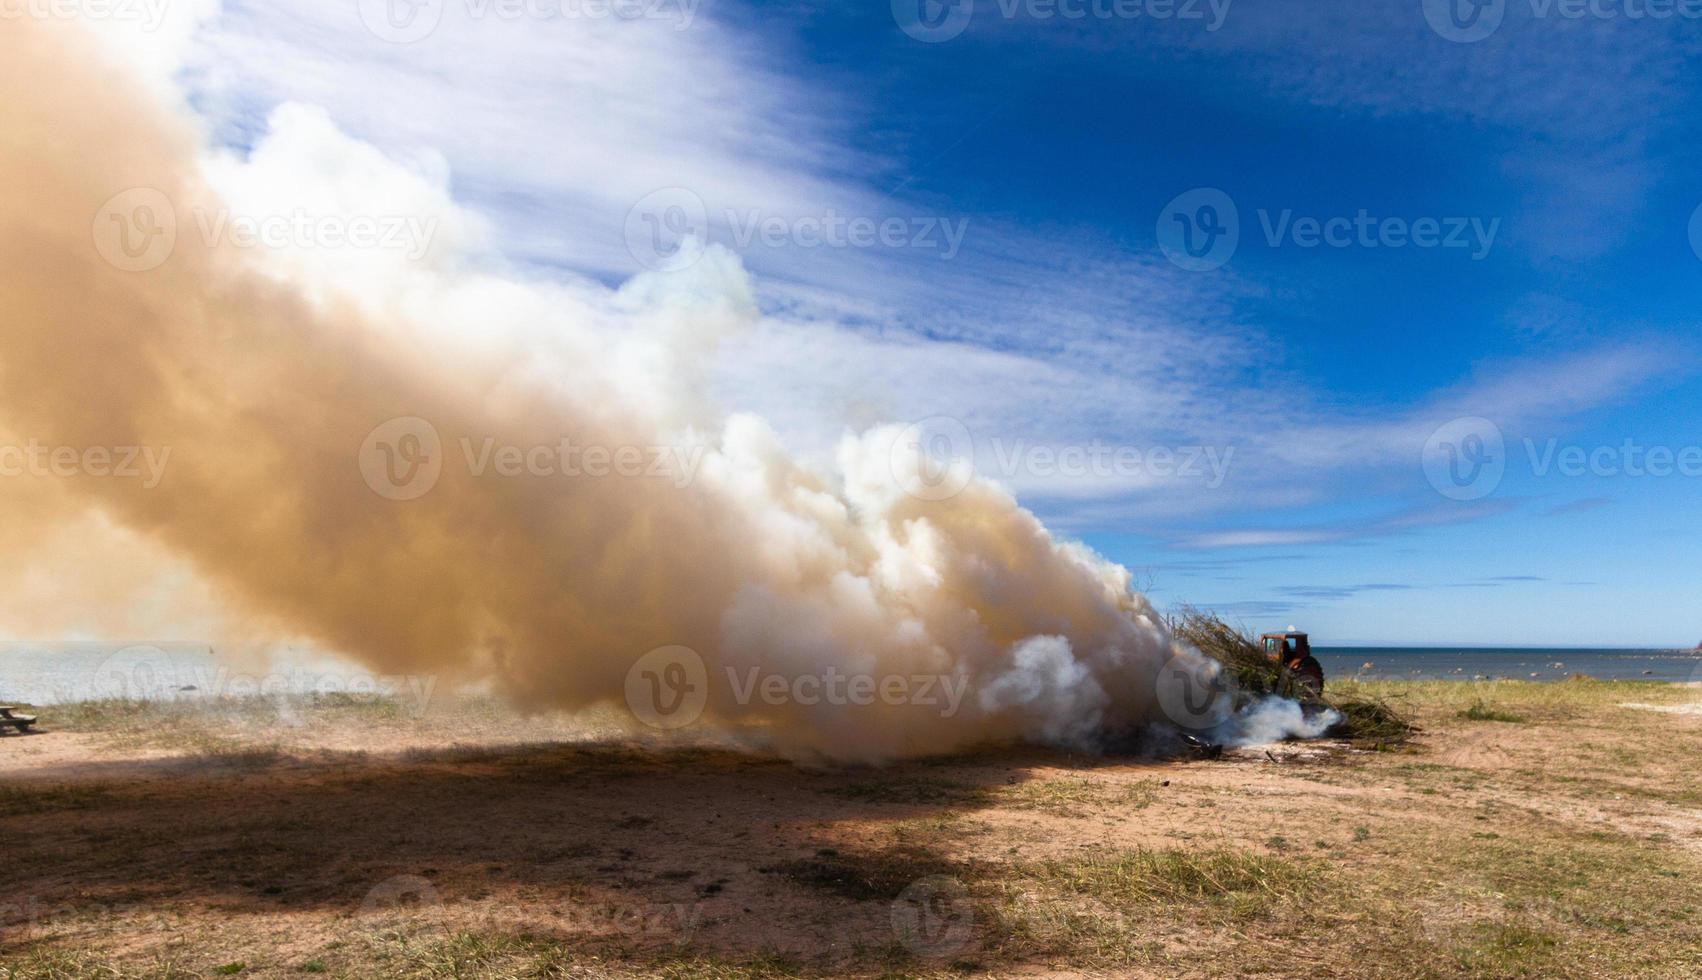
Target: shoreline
{"points": [[48, 674]]}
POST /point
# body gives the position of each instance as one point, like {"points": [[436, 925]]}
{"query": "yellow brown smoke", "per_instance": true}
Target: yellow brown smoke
{"points": [[550, 588]]}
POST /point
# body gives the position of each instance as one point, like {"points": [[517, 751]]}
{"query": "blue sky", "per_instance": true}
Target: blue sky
{"points": [[1559, 153]]}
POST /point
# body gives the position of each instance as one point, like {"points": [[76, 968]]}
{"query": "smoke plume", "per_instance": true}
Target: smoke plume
{"points": [[272, 383]]}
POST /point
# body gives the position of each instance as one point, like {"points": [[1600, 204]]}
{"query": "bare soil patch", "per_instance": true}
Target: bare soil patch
{"points": [[357, 840]]}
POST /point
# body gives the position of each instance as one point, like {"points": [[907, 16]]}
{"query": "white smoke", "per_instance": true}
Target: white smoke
{"points": [[1272, 719], [825, 608]]}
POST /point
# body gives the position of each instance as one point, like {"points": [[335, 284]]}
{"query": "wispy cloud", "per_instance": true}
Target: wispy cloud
{"points": [[1400, 522], [555, 127], [1581, 506], [1029, 336], [1327, 592], [1584, 150]]}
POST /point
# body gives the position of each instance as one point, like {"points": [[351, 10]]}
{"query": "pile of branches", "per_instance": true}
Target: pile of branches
{"points": [[1365, 720]]}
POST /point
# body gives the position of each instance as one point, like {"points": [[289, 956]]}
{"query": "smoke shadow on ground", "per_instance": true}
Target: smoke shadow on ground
{"points": [[643, 847]]}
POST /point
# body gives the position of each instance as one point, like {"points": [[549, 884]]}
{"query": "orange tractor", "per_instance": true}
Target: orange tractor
{"points": [[1294, 651]]}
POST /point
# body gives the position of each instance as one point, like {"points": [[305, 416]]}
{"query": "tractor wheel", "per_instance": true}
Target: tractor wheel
{"points": [[1310, 673]]}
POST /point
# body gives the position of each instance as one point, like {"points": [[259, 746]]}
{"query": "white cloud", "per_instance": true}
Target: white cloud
{"points": [[1575, 110], [542, 135], [557, 127]]}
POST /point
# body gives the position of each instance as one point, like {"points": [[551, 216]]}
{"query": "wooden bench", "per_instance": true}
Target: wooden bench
{"points": [[10, 719]]}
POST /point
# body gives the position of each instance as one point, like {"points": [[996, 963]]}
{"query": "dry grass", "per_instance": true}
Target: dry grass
{"points": [[1565, 845], [1484, 712], [1076, 795], [45, 799], [1182, 876]]}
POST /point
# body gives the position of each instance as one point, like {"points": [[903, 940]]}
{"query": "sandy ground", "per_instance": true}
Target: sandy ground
{"points": [[355, 841]]}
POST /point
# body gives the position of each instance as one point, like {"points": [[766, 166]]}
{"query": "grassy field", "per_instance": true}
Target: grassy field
{"points": [[1531, 830]]}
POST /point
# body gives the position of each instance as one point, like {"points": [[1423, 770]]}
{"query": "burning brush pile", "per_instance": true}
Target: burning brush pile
{"points": [[806, 604], [1367, 721]]}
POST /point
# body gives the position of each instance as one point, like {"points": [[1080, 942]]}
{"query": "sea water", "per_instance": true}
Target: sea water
{"points": [[62, 673], [59, 673], [1522, 663]]}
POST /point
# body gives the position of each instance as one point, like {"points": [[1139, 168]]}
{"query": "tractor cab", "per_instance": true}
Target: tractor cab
{"points": [[1293, 650]]}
